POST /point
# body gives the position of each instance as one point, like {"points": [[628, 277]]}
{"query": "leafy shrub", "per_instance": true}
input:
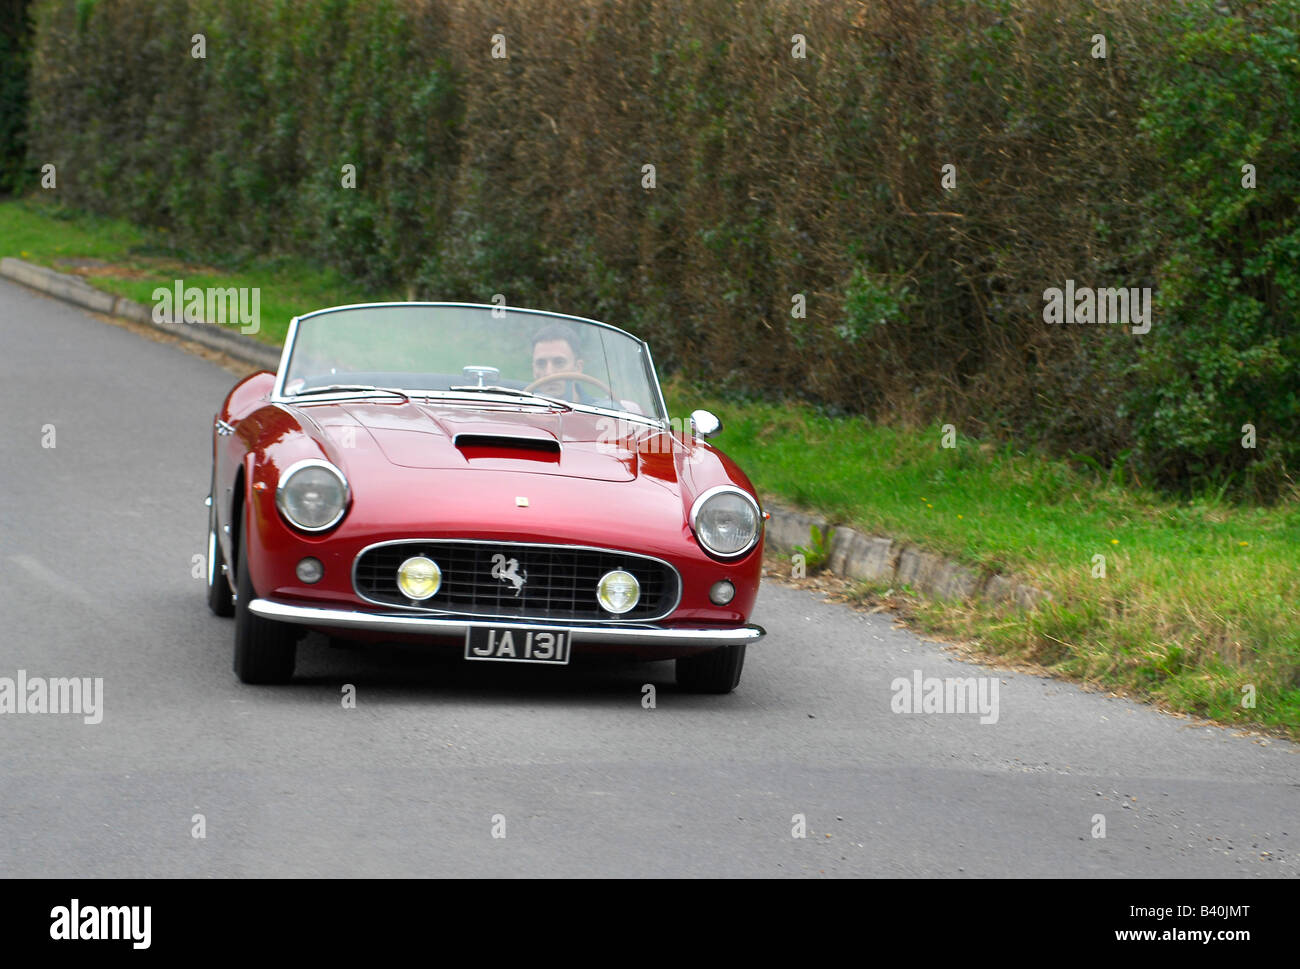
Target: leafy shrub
{"points": [[1227, 97]]}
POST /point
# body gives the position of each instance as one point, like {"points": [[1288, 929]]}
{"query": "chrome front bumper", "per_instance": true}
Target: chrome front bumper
{"points": [[439, 626]]}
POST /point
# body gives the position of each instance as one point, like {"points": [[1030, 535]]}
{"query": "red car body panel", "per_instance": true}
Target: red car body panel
{"points": [[591, 481]]}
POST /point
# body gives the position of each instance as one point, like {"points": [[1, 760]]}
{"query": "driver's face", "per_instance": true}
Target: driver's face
{"points": [[553, 356]]}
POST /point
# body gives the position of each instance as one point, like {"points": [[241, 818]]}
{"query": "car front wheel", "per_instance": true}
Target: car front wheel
{"points": [[717, 671], [264, 650]]}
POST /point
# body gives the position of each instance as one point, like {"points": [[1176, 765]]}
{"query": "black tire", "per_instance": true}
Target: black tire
{"points": [[717, 671], [221, 598], [264, 650]]}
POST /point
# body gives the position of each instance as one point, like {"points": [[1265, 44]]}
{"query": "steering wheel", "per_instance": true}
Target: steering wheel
{"points": [[570, 375]]}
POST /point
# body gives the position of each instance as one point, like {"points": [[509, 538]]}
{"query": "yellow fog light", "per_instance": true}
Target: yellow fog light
{"points": [[617, 592], [419, 577]]}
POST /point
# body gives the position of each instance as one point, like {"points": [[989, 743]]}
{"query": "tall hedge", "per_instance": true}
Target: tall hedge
{"points": [[15, 45], [780, 181]]}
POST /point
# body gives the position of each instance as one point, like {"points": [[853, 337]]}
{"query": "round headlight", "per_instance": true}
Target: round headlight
{"points": [[312, 495], [726, 521], [618, 591], [419, 577]]}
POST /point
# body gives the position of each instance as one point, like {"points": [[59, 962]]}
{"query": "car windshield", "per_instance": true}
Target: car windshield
{"points": [[463, 352]]}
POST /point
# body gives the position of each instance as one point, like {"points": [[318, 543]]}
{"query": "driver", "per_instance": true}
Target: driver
{"points": [[555, 350]]}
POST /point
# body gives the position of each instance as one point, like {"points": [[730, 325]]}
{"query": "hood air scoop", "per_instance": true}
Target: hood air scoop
{"points": [[539, 447]]}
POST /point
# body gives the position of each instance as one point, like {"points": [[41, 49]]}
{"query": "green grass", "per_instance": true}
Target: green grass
{"points": [[1199, 598], [140, 260]]}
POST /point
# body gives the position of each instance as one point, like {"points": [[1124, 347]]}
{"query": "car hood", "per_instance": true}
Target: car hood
{"points": [[571, 444], [570, 477]]}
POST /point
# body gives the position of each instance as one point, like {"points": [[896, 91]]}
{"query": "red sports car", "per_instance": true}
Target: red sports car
{"points": [[503, 480]]}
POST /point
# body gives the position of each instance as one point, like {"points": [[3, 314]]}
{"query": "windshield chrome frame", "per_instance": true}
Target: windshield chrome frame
{"points": [[278, 396]]}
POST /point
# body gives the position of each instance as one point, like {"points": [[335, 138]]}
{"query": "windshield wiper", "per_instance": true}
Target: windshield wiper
{"points": [[349, 388], [475, 389]]}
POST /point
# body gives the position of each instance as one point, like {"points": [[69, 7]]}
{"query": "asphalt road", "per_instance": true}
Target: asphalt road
{"points": [[97, 542]]}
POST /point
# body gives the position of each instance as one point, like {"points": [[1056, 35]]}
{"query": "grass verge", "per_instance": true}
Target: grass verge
{"points": [[127, 260], [1195, 604]]}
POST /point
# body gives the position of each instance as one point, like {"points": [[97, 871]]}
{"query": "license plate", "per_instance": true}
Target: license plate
{"points": [[517, 645]]}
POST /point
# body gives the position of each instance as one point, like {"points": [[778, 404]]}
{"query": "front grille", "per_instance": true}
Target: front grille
{"points": [[559, 581]]}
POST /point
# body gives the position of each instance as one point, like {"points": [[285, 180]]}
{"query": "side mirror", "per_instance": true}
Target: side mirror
{"points": [[704, 424]]}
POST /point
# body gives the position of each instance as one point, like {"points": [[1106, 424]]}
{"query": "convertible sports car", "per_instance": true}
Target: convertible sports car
{"points": [[500, 480]]}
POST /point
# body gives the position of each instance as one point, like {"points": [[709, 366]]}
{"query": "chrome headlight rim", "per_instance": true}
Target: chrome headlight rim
{"points": [[703, 499], [287, 476]]}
